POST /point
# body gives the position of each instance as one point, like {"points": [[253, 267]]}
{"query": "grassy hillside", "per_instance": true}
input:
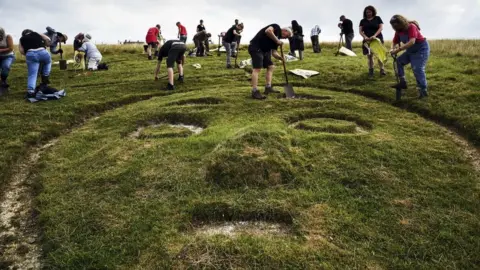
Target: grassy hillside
{"points": [[337, 179]]}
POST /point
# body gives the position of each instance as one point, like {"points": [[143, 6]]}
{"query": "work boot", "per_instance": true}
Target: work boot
{"points": [[382, 72], [30, 94], [46, 80], [180, 78], [229, 66], [270, 90], [370, 73], [257, 95], [170, 87], [401, 85], [423, 93]]}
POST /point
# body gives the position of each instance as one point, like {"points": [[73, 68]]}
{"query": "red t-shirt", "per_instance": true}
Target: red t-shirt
{"points": [[412, 32], [183, 30], [152, 35]]}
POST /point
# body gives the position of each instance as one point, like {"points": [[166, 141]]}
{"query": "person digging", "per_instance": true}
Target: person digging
{"points": [[262, 47], [174, 51], [230, 42]]}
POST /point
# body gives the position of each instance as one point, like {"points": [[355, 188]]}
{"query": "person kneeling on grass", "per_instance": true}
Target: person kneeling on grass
{"points": [[230, 41], [262, 47], [417, 52], [174, 50], [94, 57], [33, 46], [7, 57]]}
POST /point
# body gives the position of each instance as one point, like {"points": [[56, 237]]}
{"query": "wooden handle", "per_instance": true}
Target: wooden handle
{"points": [[284, 67]]}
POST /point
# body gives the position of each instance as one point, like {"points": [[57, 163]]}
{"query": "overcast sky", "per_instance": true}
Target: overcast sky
{"points": [[109, 21]]}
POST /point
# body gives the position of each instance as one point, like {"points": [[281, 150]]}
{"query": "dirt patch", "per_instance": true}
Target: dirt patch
{"points": [[197, 101], [165, 130], [19, 235], [233, 229]]}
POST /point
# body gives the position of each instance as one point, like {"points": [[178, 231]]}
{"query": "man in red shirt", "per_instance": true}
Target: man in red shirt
{"points": [[152, 37], [417, 52], [182, 32]]}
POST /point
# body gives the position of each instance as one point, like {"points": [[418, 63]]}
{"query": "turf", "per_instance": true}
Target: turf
{"points": [[357, 182]]}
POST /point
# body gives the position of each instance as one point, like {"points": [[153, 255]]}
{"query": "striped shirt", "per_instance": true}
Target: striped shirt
{"points": [[316, 31]]}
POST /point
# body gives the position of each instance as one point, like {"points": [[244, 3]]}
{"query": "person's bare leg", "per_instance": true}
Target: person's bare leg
{"points": [[170, 75], [255, 79], [370, 65], [268, 77], [382, 67], [157, 70], [180, 70], [149, 50]]}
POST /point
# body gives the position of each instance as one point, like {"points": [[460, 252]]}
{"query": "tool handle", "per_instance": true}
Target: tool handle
{"points": [[61, 54], [284, 66]]}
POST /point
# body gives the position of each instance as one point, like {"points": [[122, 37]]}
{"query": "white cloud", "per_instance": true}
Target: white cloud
{"points": [[113, 20]]}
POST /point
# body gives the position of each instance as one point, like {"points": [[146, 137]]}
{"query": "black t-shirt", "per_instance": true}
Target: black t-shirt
{"points": [[371, 27], [298, 31], [167, 47], [347, 27], [200, 28], [263, 42], [230, 36], [32, 41]]}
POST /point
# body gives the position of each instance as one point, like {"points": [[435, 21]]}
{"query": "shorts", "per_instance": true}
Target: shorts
{"points": [[153, 44], [176, 54], [259, 58], [366, 51]]}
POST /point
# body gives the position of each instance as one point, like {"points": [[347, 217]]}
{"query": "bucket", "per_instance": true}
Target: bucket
{"points": [[63, 64]]}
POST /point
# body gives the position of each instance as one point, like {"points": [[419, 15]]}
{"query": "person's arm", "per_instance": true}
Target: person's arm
{"points": [[157, 70], [20, 48], [412, 35], [363, 33], [272, 36], [236, 33], [276, 55], [9, 45], [48, 41], [82, 48], [379, 31]]}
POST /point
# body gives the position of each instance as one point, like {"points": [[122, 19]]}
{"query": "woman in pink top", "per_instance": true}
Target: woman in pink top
{"points": [[417, 52]]}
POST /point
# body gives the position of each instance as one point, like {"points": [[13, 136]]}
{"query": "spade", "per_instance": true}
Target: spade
{"points": [[289, 93]]}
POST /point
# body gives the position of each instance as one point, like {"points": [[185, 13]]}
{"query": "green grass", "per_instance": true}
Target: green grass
{"points": [[398, 195]]}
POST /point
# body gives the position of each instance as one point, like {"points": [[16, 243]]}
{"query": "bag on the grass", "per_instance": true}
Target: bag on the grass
{"points": [[103, 66]]}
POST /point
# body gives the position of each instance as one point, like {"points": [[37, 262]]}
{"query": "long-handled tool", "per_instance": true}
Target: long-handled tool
{"points": [[287, 88], [219, 44], [62, 62], [399, 92], [340, 44]]}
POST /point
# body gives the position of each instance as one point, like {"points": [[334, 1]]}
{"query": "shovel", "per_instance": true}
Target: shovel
{"points": [[219, 45], [289, 93], [62, 62], [236, 55], [398, 90]]}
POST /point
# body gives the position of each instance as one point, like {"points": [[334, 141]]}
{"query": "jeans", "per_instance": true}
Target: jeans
{"points": [[6, 62], [417, 56], [316, 44], [230, 47], [34, 58], [348, 41], [183, 39]]}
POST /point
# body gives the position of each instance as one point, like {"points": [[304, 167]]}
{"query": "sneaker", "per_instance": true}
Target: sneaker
{"points": [[270, 90], [180, 79], [401, 85], [30, 94], [257, 95], [170, 87], [383, 73]]}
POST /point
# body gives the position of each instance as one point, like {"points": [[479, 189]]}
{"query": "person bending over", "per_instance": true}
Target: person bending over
{"points": [[174, 51], [230, 41], [182, 32], [153, 40], [417, 52], [347, 29], [94, 57], [7, 57], [262, 47], [200, 39], [55, 38], [33, 46], [371, 27]]}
